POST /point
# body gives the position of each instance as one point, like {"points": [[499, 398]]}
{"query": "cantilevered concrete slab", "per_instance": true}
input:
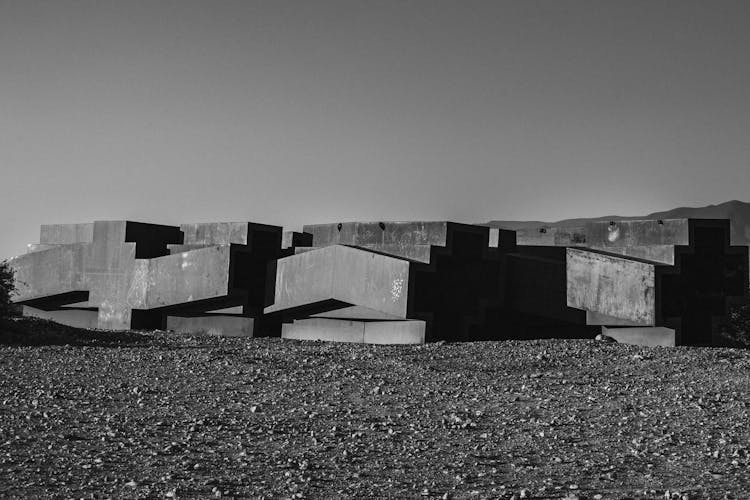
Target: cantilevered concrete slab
{"points": [[337, 276], [618, 287]]}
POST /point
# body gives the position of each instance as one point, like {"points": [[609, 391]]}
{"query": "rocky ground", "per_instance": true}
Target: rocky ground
{"points": [[161, 416]]}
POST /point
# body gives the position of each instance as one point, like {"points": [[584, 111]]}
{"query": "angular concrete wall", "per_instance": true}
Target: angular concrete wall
{"points": [[337, 276], [617, 287]]}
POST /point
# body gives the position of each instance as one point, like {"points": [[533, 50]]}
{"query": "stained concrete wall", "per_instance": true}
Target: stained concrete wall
{"points": [[54, 271], [61, 234], [633, 233], [411, 240], [610, 285], [339, 273], [215, 233], [177, 279]]}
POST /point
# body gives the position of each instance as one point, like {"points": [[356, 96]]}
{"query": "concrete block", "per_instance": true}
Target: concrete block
{"points": [[369, 332], [635, 233], [394, 332], [218, 325], [182, 278], [44, 275], [62, 234], [410, 240], [644, 336], [324, 329], [337, 276], [611, 285], [215, 233]]}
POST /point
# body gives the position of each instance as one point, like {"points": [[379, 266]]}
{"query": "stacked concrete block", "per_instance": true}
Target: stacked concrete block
{"points": [[389, 282], [650, 282], [656, 302], [143, 276]]}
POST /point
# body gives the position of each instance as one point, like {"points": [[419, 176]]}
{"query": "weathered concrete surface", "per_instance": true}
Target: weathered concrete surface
{"points": [[368, 332], [658, 336], [451, 292], [349, 276], [55, 271], [644, 239], [102, 268], [127, 273], [78, 318], [394, 332], [182, 278], [551, 236], [596, 318], [215, 233], [222, 326], [62, 234], [613, 286], [410, 240], [633, 233]]}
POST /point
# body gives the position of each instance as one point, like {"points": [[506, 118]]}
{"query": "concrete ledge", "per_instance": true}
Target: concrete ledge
{"points": [[222, 326], [367, 332], [646, 336]]}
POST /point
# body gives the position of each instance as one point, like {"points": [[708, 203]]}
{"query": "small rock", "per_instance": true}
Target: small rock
{"points": [[605, 338]]}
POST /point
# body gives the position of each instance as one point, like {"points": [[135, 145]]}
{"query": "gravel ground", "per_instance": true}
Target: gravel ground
{"points": [[162, 416]]}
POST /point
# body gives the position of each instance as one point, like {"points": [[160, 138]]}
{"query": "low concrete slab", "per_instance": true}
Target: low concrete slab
{"points": [[395, 332], [217, 325], [368, 332], [657, 336]]}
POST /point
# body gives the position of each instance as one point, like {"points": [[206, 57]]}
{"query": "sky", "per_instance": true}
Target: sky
{"points": [[302, 112]]}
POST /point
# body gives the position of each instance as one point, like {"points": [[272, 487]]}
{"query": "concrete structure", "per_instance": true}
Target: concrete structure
{"points": [[434, 280], [652, 282], [690, 297], [142, 276]]}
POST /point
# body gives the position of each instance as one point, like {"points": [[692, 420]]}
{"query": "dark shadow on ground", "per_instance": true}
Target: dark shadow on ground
{"points": [[26, 331]]}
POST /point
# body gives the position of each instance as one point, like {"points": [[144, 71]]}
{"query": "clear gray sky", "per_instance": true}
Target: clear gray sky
{"points": [[292, 112]]}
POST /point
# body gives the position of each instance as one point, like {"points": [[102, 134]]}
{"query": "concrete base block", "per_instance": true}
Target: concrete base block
{"points": [[77, 318], [221, 326], [367, 332], [394, 332], [645, 336]]}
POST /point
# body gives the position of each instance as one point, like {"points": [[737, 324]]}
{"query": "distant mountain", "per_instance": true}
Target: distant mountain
{"points": [[738, 212]]}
